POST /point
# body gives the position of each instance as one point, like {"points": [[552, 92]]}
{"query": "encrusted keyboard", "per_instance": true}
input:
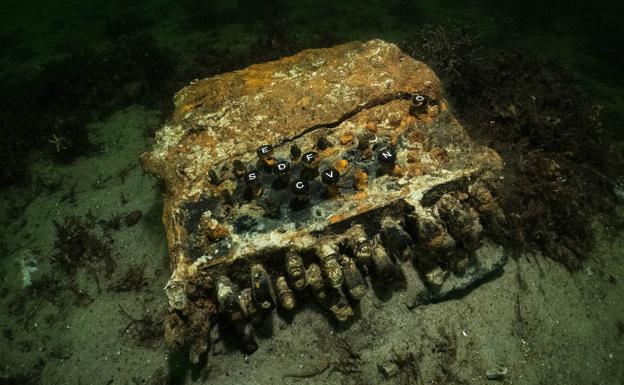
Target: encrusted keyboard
{"points": [[274, 197]]}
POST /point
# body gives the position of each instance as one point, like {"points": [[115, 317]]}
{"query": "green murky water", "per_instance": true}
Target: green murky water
{"points": [[85, 85]]}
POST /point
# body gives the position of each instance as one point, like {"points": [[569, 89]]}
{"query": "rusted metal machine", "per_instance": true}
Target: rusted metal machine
{"points": [[306, 178]]}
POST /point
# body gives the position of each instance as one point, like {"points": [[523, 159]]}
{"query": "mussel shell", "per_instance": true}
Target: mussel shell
{"points": [[246, 303], [315, 278], [398, 242], [285, 295], [353, 280], [359, 244], [333, 272], [227, 295], [384, 266], [296, 272], [262, 288]]}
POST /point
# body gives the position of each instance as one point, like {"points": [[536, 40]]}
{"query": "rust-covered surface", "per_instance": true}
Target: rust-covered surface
{"points": [[304, 178]]}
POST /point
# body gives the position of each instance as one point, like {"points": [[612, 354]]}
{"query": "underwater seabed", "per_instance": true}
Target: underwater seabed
{"points": [[83, 254], [534, 323]]}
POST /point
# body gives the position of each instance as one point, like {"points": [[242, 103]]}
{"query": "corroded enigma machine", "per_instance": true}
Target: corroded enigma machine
{"points": [[307, 178]]}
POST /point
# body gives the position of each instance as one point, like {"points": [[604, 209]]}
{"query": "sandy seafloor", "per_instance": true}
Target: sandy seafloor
{"points": [[539, 322], [542, 323]]}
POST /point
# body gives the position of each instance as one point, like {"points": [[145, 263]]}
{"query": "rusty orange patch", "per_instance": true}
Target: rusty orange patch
{"points": [[360, 195], [335, 218], [328, 152], [341, 165], [360, 179], [346, 138]]}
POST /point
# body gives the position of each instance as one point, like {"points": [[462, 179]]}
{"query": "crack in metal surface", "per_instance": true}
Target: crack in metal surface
{"points": [[400, 95]]}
